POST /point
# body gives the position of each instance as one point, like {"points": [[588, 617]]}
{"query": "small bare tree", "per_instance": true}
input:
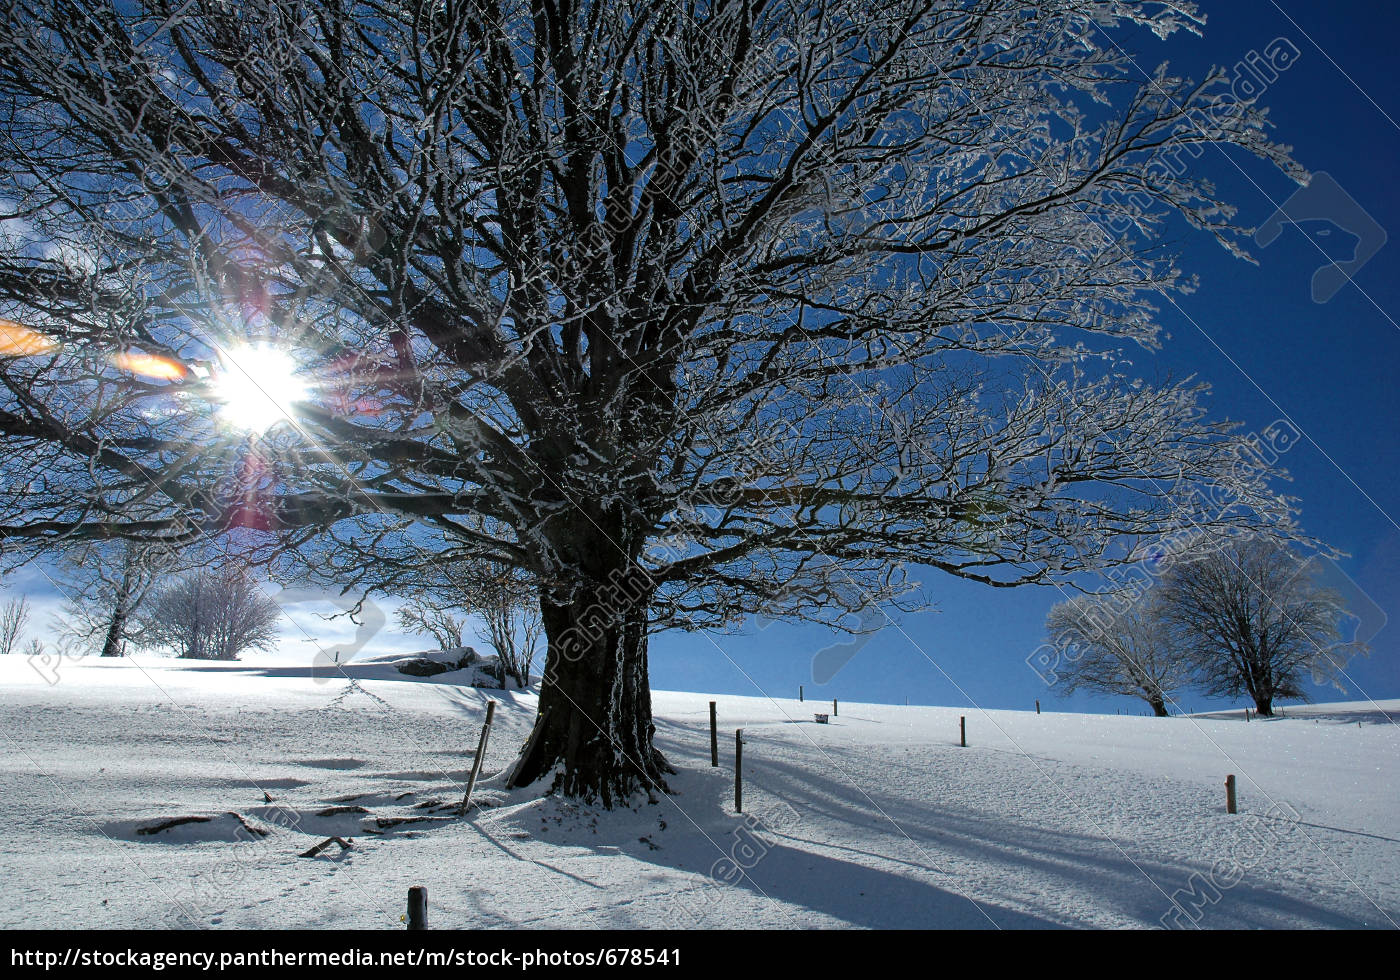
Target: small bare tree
{"points": [[14, 617], [210, 615], [1254, 620], [502, 598], [514, 629], [425, 616], [1117, 650]]}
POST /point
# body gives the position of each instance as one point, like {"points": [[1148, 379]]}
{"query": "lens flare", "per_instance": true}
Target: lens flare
{"points": [[257, 386], [17, 340], [150, 366]]}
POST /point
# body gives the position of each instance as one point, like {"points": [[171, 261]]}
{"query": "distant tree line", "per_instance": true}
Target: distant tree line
{"points": [[129, 595]]}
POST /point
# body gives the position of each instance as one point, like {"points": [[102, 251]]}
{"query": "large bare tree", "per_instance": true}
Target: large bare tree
{"points": [[1255, 620], [687, 310]]}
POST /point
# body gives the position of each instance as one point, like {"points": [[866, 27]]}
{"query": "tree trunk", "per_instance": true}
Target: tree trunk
{"points": [[116, 628], [115, 641], [1159, 707], [594, 729], [1260, 686]]}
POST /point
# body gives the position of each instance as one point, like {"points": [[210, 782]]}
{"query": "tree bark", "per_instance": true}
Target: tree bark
{"points": [[1260, 685], [112, 644], [1159, 707], [595, 728]]}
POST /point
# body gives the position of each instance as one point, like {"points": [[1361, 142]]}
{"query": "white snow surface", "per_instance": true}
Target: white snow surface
{"points": [[878, 819]]}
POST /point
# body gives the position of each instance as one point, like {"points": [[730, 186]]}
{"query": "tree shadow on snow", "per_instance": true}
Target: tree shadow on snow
{"points": [[1026, 874]]}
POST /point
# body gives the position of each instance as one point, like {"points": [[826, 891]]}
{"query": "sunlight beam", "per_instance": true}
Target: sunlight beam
{"points": [[257, 386]]}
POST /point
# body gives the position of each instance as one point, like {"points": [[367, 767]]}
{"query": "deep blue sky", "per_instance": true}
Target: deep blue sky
{"points": [[1252, 332]]}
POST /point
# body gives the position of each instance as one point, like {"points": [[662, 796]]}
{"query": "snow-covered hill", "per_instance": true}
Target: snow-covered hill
{"points": [[877, 819]]}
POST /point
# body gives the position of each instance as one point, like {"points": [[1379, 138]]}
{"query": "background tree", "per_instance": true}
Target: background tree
{"points": [[427, 616], [1114, 646], [14, 617], [1255, 621], [685, 310], [502, 598], [105, 587], [210, 615], [508, 605]]}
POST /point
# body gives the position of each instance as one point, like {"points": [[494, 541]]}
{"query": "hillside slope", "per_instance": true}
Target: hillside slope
{"points": [[878, 819]]}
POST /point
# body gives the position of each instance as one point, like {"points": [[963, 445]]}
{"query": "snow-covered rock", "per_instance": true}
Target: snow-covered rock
{"points": [[484, 671]]}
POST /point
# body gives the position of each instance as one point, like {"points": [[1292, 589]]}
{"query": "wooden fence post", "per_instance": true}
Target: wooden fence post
{"points": [[480, 754], [418, 907], [834, 712], [738, 770], [799, 692], [1230, 793], [714, 737], [1037, 705], [962, 730]]}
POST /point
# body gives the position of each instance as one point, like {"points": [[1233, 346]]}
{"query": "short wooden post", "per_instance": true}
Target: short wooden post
{"points": [[1037, 705], [834, 712], [799, 692], [962, 730], [714, 737], [480, 754], [1230, 793], [418, 907], [739, 770]]}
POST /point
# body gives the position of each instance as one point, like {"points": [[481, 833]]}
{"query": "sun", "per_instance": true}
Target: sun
{"points": [[257, 385]]}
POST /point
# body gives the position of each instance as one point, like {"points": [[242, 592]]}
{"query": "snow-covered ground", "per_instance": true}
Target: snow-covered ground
{"points": [[878, 819]]}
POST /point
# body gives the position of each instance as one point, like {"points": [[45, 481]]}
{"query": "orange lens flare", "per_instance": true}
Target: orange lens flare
{"points": [[150, 366], [17, 340]]}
